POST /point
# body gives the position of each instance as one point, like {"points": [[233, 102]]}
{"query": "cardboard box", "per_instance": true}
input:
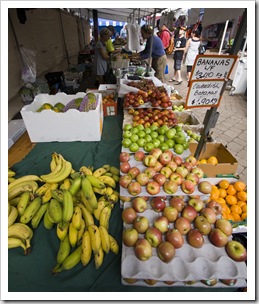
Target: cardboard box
{"points": [[227, 163], [49, 126]]}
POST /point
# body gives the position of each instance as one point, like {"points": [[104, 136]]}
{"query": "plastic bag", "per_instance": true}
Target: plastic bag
{"points": [[201, 49], [29, 65], [166, 69]]}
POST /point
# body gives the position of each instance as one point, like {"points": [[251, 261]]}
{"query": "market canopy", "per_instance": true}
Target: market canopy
{"points": [[220, 15]]}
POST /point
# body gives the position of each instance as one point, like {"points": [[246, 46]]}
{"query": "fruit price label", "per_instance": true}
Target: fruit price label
{"points": [[204, 93], [213, 66]]}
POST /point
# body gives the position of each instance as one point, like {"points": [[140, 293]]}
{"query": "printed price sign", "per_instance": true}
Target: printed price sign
{"points": [[204, 93], [213, 66]]}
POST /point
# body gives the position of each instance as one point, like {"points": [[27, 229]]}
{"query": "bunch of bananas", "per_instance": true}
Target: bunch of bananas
{"points": [[78, 204]]}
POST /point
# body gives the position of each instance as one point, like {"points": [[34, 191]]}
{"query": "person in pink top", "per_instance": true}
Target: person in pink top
{"points": [[165, 35]]}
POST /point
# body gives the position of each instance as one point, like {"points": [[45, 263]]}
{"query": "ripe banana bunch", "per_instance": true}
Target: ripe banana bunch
{"points": [[22, 184], [20, 235]]}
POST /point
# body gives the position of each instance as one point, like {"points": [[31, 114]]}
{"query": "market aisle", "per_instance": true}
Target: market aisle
{"points": [[231, 128]]}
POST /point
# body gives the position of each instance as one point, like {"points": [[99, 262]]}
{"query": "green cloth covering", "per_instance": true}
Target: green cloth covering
{"points": [[33, 273]]}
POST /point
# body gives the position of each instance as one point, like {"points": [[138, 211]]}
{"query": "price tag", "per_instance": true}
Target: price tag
{"points": [[213, 66], [204, 93]]}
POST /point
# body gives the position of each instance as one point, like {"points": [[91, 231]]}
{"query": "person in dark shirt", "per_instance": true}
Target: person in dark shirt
{"points": [[180, 43], [159, 59]]}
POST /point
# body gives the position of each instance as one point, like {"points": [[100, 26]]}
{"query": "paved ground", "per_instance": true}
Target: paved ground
{"points": [[231, 127]]}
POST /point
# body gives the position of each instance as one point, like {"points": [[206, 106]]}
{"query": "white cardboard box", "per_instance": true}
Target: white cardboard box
{"points": [[49, 126]]}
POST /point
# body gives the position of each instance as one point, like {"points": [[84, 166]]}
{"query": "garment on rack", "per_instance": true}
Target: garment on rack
{"points": [[133, 38]]}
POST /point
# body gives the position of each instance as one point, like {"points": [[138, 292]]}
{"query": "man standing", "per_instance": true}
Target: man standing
{"points": [[180, 43]]}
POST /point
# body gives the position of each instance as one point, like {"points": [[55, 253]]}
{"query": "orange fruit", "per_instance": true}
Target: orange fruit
{"points": [[224, 184], [236, 217], [212, 160], [239, 186], [214, 195], [225, 209], [243, 216], [231, 190], [230, 217], [231, 199], [244, 208], [222, 193], [236, 209], [202, 161], [242, 196], [221, 200], [224, 215], [241, 203]]}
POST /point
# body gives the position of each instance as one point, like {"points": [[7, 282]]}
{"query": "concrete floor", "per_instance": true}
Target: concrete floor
{"points": [[231, 127]]}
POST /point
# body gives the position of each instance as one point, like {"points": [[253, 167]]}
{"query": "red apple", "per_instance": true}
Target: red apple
{"points": [[225, 226], [170, 187], [159, 178], [141, 224], [197, 203], [158, 166], [218, 238], [177, 202], [178, 160], [236, 251], [125, 180], [150, 172], [174, 237], [229, 282], [149, 160], [152, 187], [215, 206], [150, 282], [205, 187], [170, 153], [187, 165], [142, 178], [191, 159], [169, 282], [165, 158], [156, 152], [183, 225], [172, 165], [198, 171], [130, 237], [187, 186], [183, 171], [124, 167], [210, 282], [154, 236], [139, 155], [158, 204], [134, 188], [166, 251], [128, 215], [209, 214], [189, 213], [193, 178], [195, 238], [202, 224], [139, 204], [166, 171], [143, 250], [161, 223], [176, 177], [133, 172], [124, 157], [171, 213]]}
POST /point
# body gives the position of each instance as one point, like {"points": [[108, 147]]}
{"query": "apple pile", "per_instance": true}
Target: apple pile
{"points": [[148, 116], [148, 138]]}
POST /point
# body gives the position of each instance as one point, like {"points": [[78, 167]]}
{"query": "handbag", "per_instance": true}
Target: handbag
{"points": [[201, 49]]}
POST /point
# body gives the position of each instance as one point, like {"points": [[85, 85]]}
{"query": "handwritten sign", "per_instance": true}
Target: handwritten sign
{"points": [[204, 93], [213, 66]]}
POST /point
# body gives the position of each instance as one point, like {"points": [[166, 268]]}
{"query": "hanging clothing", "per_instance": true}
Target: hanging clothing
{"points": [[133, 37], [192, 51]]}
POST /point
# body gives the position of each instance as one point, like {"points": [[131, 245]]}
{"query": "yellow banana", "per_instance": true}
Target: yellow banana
{"points": [[105, 217], [14, 201], [93, 201], [57, 194], [86, 248], [23, 232], [66, 184], [81, 232], [99, 191], [115, 170], [23, 180], [54, 161], [86, 203], [113, 198], [11, 179], [62, 230], [14, 242], [107, 167], [85, 171], [105, 240], [12, 215], [95, 238], [31, 186], [100, 171], [72, 235], [98, 258], [11, 173], [87, 216], [55, 210], [77, 217], [114, 245], [98, 210], [96, 181], [63, 252], [68, 206], [47, 220], [31, 210], [39, 215], [23, 202], [9, 208], [109, 190], [42, 189], [70, 261], [55, 168], [107, 180], [76, 185], [47, 196]]}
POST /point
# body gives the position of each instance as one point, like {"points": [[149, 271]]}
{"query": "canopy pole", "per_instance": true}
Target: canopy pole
{"points": [[223, 37], [151, 44]]}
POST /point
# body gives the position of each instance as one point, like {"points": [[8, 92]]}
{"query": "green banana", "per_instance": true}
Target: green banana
{"points": [[70, 261], [76, 185], [105, 240], [12, 215], [14, 201], [114, 246], [55, 210], [81, 231], [107, 180], [47, 220], [95, 238], [14, 242], [11, 179], [31, 210], [108, 174], [86, 202], [87, 187], [57, 194], [23, 202], [72, 235], [87, 216], [68, 206], [66, 184], [75, 175], [62, 230], [39, 215], [105, 217], [93, 201], [114, 170], [63, 251], [100, 171], [76, 218], [95, 181], [107, 167], [98, 258], [116, 178], [86, 248], [11, 173]]}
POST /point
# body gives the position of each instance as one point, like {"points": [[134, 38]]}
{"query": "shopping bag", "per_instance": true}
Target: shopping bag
{"points": [[166, 69]]}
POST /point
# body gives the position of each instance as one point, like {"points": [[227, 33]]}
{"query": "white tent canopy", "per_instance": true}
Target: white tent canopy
{"points": [[220, 15]]}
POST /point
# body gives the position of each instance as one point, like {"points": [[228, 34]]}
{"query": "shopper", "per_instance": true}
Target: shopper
{"points": [[159, 59], [109, 43], [191, 51], [123, 32], [165, 35], [180, 42], [101, 56]]}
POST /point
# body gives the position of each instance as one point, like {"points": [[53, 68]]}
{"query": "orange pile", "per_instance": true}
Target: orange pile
{"points": [[233, 198], [109, 98]]}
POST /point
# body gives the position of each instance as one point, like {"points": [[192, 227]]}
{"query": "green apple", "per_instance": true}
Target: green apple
{"points": [[164, 146], [179, 138], [163, 129], [185, 145], [127, 134], [134, 147], [154, 127], [156, 142], [170, 143], [147, 130], [134, 130], [148, 138], [134, 138], [149, 146], [154, 134], [161, 138], [140, 127], [127, 127], [141, 142], [178, 128], [141, 134], [170, 133], [178, 148], [126, 142]]}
